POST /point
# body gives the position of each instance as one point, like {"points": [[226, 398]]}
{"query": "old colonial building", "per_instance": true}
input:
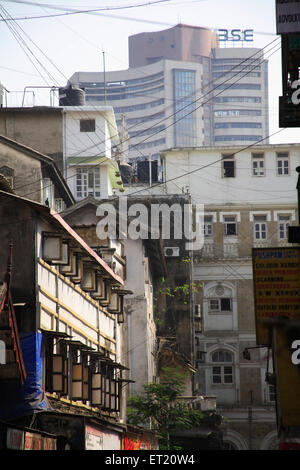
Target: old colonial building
{"points": [[249, 198]]}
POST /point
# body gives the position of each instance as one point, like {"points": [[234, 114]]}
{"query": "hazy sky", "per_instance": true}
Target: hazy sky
{"points": [[62, 44]]}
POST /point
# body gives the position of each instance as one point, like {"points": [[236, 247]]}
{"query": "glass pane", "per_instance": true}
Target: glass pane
{"points": [[214, 304], [225, 304], [91, 179], [227, 370], [216, 370], [228, 379], [77, 372], [77, 390], [57, 383], [96, 397], [96, 381], [231, 229], [216, 379], [57, 364], [228, 357], [113, 403]]}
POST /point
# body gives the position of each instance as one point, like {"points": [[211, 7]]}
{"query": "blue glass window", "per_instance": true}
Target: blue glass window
{"points": [[184, 107]]}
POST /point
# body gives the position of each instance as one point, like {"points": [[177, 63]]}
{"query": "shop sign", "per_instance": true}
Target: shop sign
{"points": [[111, 441], [15, 439], [287, 16], [33, 441], [49, 443], [93, 438], [276, 286], [130, 443]]}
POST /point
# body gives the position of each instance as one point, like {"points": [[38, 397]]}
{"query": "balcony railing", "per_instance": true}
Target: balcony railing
{"points": [[199, 402]]}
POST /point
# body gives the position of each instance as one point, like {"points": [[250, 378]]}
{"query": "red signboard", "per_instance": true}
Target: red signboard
{"points": [[33, 441], [135, 444]]}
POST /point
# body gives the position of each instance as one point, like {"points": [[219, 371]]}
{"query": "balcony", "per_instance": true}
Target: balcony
{"points": [[208, 248], [231, 248], [199, 402]]}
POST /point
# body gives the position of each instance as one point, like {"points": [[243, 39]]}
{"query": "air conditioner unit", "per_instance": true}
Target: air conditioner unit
{"points": [[171, 251]]}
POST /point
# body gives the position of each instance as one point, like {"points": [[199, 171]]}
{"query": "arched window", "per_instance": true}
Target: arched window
{"points": [[222, 371], [229, 446]]}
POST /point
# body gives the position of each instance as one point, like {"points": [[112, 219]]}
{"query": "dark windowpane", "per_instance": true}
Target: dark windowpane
{"points": [[87, 125], [216, 379], [225, 305], [228, 379], [228, 169], [228, 357], [230, 229]]}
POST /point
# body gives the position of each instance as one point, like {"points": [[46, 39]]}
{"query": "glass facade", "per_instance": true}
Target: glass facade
{"points": [[236, 138], [184, 105]]}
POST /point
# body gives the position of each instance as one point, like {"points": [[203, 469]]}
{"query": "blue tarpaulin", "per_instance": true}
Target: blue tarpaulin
{"points": [[28, 398]]}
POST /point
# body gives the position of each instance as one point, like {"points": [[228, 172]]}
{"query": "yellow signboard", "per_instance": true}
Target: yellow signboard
{"points": [[276, 277]]}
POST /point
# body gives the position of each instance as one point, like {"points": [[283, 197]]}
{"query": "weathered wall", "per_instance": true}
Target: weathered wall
{"points": [[27, 172], [38, 128], [17, 224]]}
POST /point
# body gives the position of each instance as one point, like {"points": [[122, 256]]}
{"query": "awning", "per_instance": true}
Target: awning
{"points": [[93, 160]]}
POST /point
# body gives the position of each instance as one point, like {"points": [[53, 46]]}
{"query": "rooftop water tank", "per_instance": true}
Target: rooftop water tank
{"points": [[71, 96]]}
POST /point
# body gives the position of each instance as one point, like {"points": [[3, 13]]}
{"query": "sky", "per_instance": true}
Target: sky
{"points": [[47, 42]]}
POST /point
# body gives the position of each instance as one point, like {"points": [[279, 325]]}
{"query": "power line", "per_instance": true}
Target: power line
{"points": [[209, 92], [206, 166], [22, 43], [189, 104], [178, 111], [194, 102], [69, 11]]}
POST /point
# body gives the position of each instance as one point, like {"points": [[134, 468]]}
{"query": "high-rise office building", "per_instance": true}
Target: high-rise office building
{"points": [[182, 90]]}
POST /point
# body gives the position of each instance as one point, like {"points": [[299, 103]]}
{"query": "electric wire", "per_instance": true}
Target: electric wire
{"points": [[188, 114]]}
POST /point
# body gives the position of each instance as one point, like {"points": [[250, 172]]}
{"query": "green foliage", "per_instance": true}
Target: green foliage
{"points": [[183, 290], [160, 404]]}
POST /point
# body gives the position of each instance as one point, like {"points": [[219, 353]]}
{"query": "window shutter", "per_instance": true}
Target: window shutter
{"points": [[77, 382], [97, 380], [57, 373]]}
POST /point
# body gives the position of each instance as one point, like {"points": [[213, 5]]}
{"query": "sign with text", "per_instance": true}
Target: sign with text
{"points": [[276, 278], [235, 35], [287, 16], [33, 441], [93, 438]]}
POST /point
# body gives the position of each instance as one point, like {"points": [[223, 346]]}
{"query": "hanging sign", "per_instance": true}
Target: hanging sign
{"points": [[287, 16], [276, 286]]}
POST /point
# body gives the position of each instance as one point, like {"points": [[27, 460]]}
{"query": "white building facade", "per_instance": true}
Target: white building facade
{"points": [[250, 200], [89, 134]]}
